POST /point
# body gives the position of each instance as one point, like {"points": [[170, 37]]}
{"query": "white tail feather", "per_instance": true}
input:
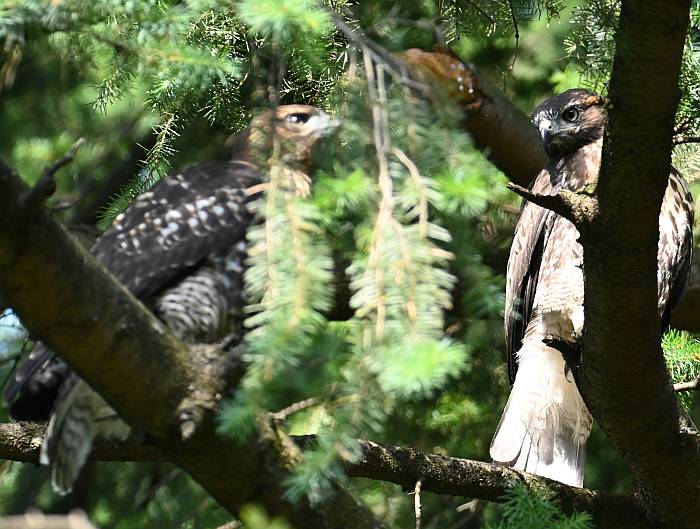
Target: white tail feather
{"points": [[545, 425]]}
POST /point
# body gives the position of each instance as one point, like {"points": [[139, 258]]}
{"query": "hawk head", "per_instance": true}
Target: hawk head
{"points": [[291, 133], [570, 120]]}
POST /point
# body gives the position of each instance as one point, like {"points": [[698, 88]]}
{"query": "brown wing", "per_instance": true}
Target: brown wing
{"points": [[195, 213], [675, 245], [531, 233]]}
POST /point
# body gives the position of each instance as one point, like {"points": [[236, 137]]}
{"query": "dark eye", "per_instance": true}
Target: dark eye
{"points": [[571, 114], [297, 118]]}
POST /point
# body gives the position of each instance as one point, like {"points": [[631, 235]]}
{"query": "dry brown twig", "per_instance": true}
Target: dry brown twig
{"points": [[46, 185]]}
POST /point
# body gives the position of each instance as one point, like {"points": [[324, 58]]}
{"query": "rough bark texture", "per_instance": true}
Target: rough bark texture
{"points": [[463, 477], [60, 292], [497, 126], [623, 377], [402, 466]]}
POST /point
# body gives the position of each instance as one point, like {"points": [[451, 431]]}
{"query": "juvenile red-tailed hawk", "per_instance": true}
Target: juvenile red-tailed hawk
{"points": [[545, 425], [180, 248]]}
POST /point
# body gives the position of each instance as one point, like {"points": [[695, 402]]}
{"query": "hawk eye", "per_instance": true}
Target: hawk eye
{"points": [[571, 114], [297, 118]]}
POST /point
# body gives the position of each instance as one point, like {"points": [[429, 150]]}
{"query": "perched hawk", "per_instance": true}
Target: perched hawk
{"points": [[180, 248], [545, 425]]}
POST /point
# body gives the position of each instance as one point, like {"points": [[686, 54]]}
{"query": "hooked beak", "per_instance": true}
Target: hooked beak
{"points": [[324, 124], [545, 128]]}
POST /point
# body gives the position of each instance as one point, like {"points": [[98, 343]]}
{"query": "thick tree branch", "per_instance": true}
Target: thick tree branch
{"points": [[402, 466], [464, 477], [59, 290], [623, 377], [497, 126], [68, 301], [22, 441], [501, 130]]}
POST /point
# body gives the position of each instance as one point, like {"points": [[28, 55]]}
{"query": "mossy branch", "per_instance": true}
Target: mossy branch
{"points": [[403, 466], [580, 207]]}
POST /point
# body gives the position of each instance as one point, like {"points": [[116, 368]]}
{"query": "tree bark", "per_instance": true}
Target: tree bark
{"points": [[59, 291], [402, 466], [623, 378]]}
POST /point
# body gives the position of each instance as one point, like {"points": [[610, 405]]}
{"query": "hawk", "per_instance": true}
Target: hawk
{"points": [[180, 248], [545, 424]]}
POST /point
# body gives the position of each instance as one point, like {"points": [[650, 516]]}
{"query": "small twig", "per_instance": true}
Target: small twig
{"points": [[282, 415], [420, 184], [684, 125], [680, 139], [61, 206], [687, 386], [365, 42], [569, 204], [517, 35], [396, 67], [416, 503], [484, 14], [46, 185]]}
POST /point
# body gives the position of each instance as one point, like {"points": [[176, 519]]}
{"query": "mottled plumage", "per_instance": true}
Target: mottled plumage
{"points": [[545, 425], [180, 247]]}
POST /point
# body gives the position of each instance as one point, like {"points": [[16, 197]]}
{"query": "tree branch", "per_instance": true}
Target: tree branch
{"points": [[577, 206], [497, 126], [687, 386], [69, 302], [623, 377], [95, 196], [46, 185], [402, 466]]}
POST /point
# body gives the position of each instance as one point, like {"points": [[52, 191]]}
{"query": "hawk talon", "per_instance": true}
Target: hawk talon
{"points": [[570, 351]]}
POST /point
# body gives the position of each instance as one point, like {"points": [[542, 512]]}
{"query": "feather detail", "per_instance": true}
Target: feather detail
{"points": [[80, 416], [545, 424]]}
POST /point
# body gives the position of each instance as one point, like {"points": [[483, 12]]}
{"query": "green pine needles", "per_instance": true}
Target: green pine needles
{"points": [[376, 289], [528, 509], [682, 353]]}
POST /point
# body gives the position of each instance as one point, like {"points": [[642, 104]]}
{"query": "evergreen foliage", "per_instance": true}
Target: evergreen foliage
{"points": [[523, 509], [405, 222], [682, 352]]}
